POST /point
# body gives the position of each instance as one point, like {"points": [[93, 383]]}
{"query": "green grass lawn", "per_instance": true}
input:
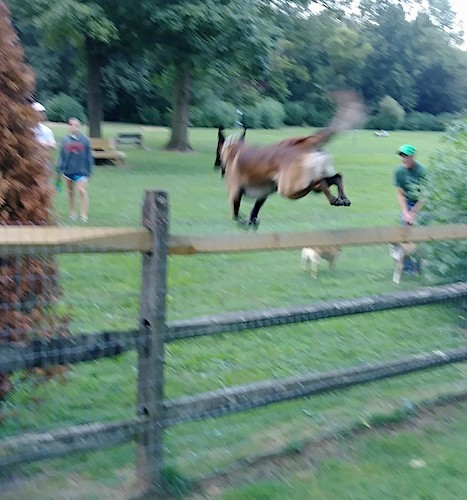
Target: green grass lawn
{"points": [[102, 292], [421, 461]]}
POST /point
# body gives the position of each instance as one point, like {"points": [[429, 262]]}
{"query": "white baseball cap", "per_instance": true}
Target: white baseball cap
{"points": [[38, 106]]}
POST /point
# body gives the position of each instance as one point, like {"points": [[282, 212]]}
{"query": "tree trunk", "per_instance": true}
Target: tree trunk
{"points": [[179, 138], [94, 81]]}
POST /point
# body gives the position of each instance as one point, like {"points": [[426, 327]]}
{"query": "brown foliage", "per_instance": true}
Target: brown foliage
{"points": [[28, 285]]}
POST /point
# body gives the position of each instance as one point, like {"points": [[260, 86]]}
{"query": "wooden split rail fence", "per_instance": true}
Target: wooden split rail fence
{"points": [[154, 413]]}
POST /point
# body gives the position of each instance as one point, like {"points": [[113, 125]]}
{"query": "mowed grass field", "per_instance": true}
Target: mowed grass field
{"points": [[102, 292]]}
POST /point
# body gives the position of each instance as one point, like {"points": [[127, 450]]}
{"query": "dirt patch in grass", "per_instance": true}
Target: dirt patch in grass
{"points": [[303, 459]]}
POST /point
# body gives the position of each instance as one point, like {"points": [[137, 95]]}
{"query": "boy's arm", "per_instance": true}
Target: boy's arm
{"points": [[402, 200], [89, 157], [61, 156]]}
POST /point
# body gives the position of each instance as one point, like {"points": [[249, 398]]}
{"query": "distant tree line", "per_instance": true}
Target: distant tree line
{"points": [[196, 62]]}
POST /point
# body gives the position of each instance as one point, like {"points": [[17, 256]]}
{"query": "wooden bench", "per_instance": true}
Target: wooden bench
{"points": [[129, 138], [103, 149]]}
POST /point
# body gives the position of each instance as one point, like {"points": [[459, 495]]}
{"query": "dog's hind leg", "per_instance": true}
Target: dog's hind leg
{"points": [[314, 266], [303, 260], [396, 277]]}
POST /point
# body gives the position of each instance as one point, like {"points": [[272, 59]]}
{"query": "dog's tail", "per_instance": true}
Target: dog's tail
{"points": [[350, 113]]}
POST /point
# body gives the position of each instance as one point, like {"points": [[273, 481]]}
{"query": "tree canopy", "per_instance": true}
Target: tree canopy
{"points": [[180, 62]]}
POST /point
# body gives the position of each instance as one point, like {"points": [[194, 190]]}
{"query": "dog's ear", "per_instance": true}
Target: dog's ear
{"points": [[220, 143]]}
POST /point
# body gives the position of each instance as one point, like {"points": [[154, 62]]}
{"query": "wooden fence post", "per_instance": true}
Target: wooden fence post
{"points": [[152, 326]]}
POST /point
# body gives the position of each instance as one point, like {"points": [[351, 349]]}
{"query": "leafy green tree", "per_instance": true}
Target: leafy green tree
{"points": [[414, 61], [193, 34], [446, 202], [98, 29], [390, 114], [347, 53], [87, 26]]}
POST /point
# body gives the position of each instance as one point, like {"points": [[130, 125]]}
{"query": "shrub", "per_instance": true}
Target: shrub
{"points": [[423, 121], [390, 115], [319, 110], [295, 113], [252, 117], [61, 107], [271, 113], [445, 197], [149, 115], [212, 113]]}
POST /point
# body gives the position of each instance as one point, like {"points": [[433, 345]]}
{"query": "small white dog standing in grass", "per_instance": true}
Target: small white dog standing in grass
{"points": [[400, 252], [314, 255]]}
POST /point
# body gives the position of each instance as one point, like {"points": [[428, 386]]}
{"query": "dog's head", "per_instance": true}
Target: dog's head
{"points": [[331, 251], [220, 144], [399, 250], [225, 146]]}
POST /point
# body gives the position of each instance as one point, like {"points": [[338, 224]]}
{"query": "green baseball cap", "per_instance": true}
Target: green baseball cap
{"points": [[406, 149]]}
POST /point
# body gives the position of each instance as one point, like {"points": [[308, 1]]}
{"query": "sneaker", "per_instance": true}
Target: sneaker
{"points": [[73, 217], [84, 219]]}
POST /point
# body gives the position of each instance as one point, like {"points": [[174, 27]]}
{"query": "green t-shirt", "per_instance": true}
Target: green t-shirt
{"points": [[410, 180]]}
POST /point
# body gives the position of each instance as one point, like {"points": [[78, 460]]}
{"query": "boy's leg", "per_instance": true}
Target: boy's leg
{"points": [[82, 186], [409, 266], [71, 198]]}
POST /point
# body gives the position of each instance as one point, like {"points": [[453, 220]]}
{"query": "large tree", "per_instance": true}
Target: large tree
{"points": [[194, 34], [97, 28]]}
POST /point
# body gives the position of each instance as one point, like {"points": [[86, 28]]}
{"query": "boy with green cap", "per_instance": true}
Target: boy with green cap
{"points": [[408, 179]]}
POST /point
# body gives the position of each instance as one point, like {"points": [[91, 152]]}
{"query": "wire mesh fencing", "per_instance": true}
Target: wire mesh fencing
{"points": [[275, 323]]}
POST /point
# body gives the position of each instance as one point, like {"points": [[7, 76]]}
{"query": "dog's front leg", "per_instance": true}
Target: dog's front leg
{"points": [[254, 221], [236, 200]]}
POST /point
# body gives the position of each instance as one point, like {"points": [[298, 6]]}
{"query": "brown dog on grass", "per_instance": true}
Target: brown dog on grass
{"points": [[293, 167], [400, 252], [314, 255]]}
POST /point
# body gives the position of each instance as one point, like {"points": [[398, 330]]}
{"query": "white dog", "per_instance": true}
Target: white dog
{"points": [[314, 255], [399, 252]]}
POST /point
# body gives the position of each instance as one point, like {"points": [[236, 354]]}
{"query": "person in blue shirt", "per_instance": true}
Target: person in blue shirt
{"points": [[76, 164]]}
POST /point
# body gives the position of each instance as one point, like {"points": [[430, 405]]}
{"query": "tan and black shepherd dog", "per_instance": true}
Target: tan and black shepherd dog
{"points": [[293, 167]]}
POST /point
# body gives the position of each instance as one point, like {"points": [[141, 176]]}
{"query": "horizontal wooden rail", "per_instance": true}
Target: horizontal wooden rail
{"points": [[80, 348], [38, 446], [32, 240], [30, 447], [247, 320], [28, 240], [67, 350], [245, 397], [183, 245]]}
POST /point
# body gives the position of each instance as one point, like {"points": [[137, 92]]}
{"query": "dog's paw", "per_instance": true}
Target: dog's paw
{"points": [[345, 201], [242, 223], [254, 224], [341, 202], [337, 202]]}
